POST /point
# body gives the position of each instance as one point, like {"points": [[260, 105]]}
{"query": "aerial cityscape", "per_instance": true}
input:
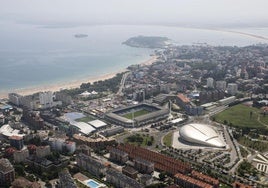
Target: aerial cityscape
{"points": [[133, 96]]}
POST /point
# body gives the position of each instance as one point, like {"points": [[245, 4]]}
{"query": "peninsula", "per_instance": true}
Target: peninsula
{"points": [[147, 42]]}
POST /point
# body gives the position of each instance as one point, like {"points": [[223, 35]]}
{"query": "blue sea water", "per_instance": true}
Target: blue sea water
{"points": [[33, 55]]}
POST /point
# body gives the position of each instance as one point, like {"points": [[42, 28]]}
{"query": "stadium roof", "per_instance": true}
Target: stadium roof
{"points": [[97, 123], [201, 134], [83, 127], [7, 131]]}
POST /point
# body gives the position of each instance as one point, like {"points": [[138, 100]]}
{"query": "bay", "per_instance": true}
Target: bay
{"points": [[35, 55]]}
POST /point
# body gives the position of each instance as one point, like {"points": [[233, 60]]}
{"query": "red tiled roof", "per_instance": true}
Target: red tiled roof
{"points": [[183, 98]]}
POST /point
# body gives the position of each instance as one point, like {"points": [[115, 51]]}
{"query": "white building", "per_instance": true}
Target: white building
{"points": [[14, 98], [210, 82], [261, 163], [221, 85], [97, 124], [201, 134], [232, 88], [56, 143], [46, 99], [70, 146]]}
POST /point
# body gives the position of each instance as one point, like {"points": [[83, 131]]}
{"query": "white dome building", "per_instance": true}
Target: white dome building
{"points": [[201, 134]]}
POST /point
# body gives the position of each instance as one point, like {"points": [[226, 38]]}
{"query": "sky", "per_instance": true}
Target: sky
{"points": [[211, 13]]}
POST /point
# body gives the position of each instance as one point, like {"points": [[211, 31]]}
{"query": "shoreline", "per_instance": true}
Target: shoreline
{"points": [[72, 84]]}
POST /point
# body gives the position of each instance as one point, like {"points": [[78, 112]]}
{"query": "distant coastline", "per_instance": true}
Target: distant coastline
{"points": [[72, 84], [80, 35]]}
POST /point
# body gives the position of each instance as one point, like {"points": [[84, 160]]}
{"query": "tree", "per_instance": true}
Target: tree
{"points": [[162, 176]]}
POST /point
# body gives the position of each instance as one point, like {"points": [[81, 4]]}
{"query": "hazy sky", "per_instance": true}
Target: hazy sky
{"points": [[176, 12]]}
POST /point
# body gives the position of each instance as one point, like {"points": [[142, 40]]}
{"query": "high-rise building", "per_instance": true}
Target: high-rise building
{"points": [[16, 141], [221, 85], [7, 172], [14, 98], [90, 164], [210, 82], [46, 99], [232, 88], [43, 151], [20, 156]]}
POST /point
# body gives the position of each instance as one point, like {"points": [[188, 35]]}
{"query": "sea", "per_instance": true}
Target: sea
{"points": [[34, 55]]}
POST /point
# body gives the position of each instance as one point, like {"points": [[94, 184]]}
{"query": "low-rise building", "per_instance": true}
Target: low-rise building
{"points": [[130, 172], [120, 180], [112, 131], [240, 185], [187, 181], [21, 182], [46, 165], [205, 178], [260, 162]]}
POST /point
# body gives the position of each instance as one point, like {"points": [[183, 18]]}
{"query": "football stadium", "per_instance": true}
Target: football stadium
{"points": [[137, 115], [202, 135]]}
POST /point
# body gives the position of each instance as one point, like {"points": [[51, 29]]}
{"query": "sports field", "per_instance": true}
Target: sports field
{"points": [[242, 116], [85, 119], [136, 113]]}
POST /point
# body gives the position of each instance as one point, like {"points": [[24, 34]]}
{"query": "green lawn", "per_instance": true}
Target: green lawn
{"points": [[168, 139], [239, 116], [140, 140], [85, 119], [136, 114]]}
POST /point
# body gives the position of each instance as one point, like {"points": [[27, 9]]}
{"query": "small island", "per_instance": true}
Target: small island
{"points": [[147, 42], [80, 35]]}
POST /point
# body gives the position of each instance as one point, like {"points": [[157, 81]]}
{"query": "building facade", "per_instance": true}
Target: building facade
{"points": [[232, 88], [7, 172], [118, 155], [143, 166], [20, 156], [66, 180], [16, 141], [221, 85], [210, 82], [43, 151], [90, 164], [120, 180]]}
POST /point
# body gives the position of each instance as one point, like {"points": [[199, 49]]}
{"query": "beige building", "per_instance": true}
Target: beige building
{"points": [[20, 156], [43, 151]]}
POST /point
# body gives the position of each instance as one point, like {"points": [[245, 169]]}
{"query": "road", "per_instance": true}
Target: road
{"points": [[122, 84]]}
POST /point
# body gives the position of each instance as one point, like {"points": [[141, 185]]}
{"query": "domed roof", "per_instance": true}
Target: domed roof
{"points": [[201, 134]]}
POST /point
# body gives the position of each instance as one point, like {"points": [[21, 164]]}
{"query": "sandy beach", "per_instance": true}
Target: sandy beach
{"points": [[72, 84]]}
